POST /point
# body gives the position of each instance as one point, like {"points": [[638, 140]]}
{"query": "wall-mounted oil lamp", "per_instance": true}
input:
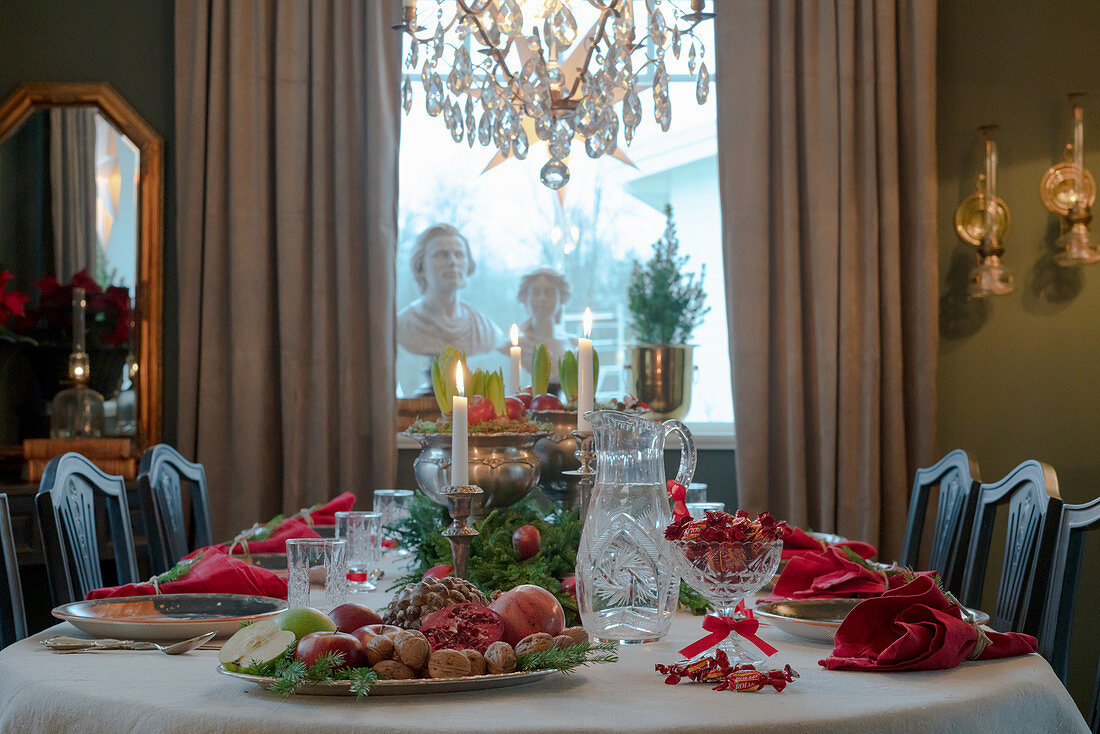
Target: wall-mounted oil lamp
{"points": [[982, 221], [1069, 190]]}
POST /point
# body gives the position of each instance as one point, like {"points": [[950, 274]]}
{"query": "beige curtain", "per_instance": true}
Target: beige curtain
{"points": [[826, 120], [73, 191], [287, 120]]}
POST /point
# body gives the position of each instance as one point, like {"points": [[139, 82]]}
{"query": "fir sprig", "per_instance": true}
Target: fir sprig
{"points": [[569, 658], [181, 569], [291, 675]]}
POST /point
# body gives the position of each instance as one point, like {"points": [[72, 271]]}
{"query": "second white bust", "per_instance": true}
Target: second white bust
{"points": [[441, 262]]}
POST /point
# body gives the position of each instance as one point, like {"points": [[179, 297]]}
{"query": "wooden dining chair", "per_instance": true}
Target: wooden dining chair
{"points": [[66, 507], [954, 479], [162, 475], [1030, 493], [13, 615], [1064, 578]]}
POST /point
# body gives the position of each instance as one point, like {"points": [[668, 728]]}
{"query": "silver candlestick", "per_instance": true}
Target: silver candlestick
{"points": [[587, 471], [460, 498]]}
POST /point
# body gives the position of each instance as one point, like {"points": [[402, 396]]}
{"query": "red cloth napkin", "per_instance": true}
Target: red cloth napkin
{"points": [[832, 574], [214, 573], [326, 513], [295, 527], [798, 542], [915, 627]]}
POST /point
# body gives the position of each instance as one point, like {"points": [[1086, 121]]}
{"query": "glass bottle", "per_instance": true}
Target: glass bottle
{"points": [[627, 581], [77, 411]]}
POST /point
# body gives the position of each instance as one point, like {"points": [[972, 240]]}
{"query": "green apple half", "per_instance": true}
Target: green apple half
{"points": [[260, 642]]}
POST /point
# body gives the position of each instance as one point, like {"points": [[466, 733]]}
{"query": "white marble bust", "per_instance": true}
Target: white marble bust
{"points": [[441, 262], [544, 293]]}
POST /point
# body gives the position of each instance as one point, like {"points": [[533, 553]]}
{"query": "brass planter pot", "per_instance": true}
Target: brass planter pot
{"points": [[661, 376], [505, 466]]}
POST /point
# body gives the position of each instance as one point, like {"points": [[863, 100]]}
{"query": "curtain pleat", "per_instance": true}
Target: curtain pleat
{"points": [[827, 175], [287, 114]]}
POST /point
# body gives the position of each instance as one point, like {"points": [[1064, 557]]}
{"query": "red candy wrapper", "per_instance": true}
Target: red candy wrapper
{"points": [[716, 669], [718, 527]]}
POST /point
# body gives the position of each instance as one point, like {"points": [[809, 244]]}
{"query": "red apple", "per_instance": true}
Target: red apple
{"points": [[526, 540], [480, 410], [569, 586], [515, 408], [315, 644], [441, 571], [523, 397], [546, 401], [528, 609], [350, 617], [364, 634]]}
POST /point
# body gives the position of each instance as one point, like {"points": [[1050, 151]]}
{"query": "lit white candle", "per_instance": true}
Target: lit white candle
{"points": [[460, 448], [514, 386], [585, 389]]}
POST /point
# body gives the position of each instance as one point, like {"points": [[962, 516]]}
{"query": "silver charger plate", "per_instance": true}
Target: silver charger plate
{"points": [[817, 620], [407, 687], [167, 616]]}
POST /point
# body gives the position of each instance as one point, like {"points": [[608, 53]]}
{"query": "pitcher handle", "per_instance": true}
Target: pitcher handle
{"points": [[687, 451]]}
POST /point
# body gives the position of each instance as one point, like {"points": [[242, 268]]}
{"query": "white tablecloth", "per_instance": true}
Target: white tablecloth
{"points": [[42, 691]]}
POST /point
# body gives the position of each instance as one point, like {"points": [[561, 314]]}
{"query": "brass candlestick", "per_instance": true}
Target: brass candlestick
{"points": [[460, 497], [586, 453]]}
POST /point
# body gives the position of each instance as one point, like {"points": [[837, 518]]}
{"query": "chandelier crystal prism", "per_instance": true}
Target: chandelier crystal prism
{"points": [[507, 74]]}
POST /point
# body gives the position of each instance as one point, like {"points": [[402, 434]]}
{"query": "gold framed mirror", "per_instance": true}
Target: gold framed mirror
{"points": [[126, 188]]}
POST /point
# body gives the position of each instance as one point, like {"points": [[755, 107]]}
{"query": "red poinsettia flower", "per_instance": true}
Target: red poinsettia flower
{"points": [[107, 317], [11, 302], [85, 281]]}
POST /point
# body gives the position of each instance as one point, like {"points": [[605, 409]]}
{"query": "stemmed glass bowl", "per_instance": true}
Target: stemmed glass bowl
{"points": [[725, 572]]}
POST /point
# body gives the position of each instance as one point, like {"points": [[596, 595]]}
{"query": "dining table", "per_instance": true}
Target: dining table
{"points": [[147, 691]]}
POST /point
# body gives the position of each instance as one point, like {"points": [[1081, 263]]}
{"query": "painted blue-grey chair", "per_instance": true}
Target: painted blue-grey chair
{"points": [[13, 616], [954, 480], [1030, 494], [66, 507], [162, 476]]}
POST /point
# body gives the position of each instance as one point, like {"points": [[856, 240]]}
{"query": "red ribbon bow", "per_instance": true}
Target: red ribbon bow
{"points": [[721, 627], [678, 494]]}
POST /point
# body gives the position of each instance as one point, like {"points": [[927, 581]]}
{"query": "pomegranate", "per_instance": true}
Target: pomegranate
{"points": [[462, 626], [526, 541], [528, 609], [569, 586]]}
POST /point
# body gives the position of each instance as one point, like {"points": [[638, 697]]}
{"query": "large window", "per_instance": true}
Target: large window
{"points": [[610, 213]]}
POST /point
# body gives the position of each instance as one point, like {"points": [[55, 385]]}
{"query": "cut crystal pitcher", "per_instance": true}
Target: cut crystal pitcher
{"points": [[627, 581]]}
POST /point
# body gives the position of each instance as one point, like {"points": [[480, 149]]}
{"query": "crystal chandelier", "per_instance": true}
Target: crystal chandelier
{"points": [[501, 87]]}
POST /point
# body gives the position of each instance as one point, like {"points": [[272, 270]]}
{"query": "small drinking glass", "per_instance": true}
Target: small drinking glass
{"points": [[363, 531], [698, 510], [696, 492], [318, 572], [392, 503]]}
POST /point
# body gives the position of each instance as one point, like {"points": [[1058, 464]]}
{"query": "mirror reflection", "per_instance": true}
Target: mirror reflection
{"points": [[68, 219]]}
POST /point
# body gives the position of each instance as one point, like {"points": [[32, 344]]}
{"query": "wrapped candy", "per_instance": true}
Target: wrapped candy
{"points": [[716, 669]]}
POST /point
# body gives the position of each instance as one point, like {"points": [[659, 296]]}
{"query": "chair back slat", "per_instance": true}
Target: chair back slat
{"points": [[161, 476], [66, 502], [1030, 492], [13, 616], [956, 477], [1065, 576]]}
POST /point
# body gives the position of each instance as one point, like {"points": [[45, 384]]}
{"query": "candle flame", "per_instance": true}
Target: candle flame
{"points": [[587, 322], [514, 333], [458, 379]]}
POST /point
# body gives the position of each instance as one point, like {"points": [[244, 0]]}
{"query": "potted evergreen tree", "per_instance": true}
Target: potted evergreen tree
{"points": [[666, 305]]}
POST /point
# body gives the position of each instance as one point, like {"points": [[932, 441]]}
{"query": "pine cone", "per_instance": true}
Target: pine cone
{"points": [[427, 596]]}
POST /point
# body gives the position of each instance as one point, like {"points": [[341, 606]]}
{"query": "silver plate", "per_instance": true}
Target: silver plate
{"points": [[167, 616], [817, 620], [407, 687]]}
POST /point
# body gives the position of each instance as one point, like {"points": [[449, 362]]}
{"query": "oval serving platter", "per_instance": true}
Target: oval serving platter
{"points": [[817, 620], [406, 687], [167, 616]]}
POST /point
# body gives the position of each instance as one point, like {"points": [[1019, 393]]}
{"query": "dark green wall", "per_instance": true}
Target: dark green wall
{"points": [[1018, 375], [129, 44]]}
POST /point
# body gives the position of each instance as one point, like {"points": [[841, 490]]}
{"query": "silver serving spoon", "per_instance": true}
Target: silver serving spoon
{"points": [[76, 644]]}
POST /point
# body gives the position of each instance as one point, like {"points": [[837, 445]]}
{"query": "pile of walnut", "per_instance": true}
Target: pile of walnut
{"points": [[399, 654]]}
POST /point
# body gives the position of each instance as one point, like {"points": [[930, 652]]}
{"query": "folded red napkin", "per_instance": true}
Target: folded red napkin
{"points": [[326, 513], [916, 627], [832, 573], [295, 527], [209, 573], [798, 542]]}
